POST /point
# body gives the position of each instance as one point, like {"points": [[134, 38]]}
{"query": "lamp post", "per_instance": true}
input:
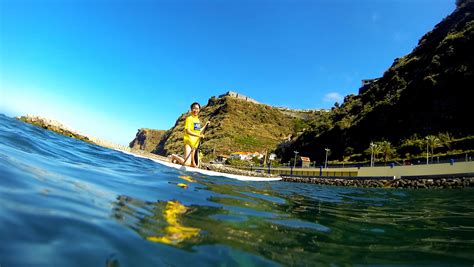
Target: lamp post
{"points": [[294, 163], [426, 150], [326, 162], [372, 148]]}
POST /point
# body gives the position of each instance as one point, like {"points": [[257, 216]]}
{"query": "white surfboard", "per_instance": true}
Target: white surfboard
{"points": [[207, 172]]}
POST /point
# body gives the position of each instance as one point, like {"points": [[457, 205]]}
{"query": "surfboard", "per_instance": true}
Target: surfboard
{"points": [[208, 172]]}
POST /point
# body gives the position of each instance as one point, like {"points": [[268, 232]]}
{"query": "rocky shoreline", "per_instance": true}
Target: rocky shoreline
{"points": [[461, 182]]}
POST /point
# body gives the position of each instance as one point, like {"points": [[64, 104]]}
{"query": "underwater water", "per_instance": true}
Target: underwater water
{"points": [[64, 202]]}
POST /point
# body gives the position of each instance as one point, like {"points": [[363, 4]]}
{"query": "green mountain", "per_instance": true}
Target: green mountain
{"points": [[426, 92], [238, 125]]}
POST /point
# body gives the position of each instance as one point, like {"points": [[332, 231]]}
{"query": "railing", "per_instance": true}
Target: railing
{"points": [[417, 161]]}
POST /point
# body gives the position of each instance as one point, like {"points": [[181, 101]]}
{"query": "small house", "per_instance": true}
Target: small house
{"points": [[305, 161]]}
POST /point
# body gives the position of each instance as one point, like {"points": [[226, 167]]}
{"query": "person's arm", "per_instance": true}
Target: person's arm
{"points": [[203, 129], [205, 126]]}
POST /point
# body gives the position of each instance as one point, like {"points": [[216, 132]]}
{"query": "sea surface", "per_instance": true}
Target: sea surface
{"points": [[64, 202]]}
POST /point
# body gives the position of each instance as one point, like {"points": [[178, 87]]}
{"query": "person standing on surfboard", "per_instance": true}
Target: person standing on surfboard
{"points": [[193, 132]]}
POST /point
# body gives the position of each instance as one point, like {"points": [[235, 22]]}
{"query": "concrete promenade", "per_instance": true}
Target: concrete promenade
{"points": [[382, 171]]}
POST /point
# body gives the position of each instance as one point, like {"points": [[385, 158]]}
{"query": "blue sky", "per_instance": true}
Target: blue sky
{"points": [[107, 68]]}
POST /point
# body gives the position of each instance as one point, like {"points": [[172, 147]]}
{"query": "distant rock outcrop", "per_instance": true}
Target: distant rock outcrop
{"points": [[54, 126], [147, 139]]}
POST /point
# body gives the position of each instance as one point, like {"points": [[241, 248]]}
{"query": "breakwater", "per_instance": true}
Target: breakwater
{"points": [[385, 182]]}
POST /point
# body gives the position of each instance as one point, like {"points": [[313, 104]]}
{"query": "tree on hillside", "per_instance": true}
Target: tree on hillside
{"points": [[411, 146], [460, 3], [347, 153]]}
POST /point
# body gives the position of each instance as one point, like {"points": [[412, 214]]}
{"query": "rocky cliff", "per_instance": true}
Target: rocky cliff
{"points": [[147, 139]]}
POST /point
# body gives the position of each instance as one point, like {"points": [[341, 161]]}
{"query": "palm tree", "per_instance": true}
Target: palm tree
{"points": [[371, 149], [433, 142], [375, 150], [386, 150], [446, 139], [413, 145]]}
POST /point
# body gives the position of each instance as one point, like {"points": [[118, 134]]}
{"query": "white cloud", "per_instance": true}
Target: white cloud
{"points": [[333, 97]]}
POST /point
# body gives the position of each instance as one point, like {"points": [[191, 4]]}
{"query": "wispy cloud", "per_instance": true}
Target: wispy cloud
{"points": [[333, 97]]}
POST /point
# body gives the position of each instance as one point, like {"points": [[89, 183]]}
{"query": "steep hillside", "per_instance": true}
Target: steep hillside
{"points": [[426, 92], [147, 139], [236, 125]]}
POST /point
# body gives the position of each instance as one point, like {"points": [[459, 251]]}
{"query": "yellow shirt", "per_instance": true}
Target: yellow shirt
{"points": [[194, 125]]}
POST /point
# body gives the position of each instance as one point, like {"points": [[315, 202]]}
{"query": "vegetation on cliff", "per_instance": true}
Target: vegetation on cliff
{"points": [[425, 93]]}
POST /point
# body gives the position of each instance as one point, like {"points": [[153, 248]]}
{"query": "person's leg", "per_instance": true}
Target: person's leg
{"points": [[188, 155], [176, 159], [193, 159]]}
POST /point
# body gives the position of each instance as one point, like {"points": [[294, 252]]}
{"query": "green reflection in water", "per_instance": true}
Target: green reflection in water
{"points": [[358, 226]]}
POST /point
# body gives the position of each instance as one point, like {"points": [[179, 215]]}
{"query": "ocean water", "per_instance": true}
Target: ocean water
{"points": [[64, 202]]}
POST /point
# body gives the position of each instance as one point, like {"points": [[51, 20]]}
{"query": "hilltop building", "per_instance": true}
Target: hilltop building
{"points": [[239, 96], [302, 110]]}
